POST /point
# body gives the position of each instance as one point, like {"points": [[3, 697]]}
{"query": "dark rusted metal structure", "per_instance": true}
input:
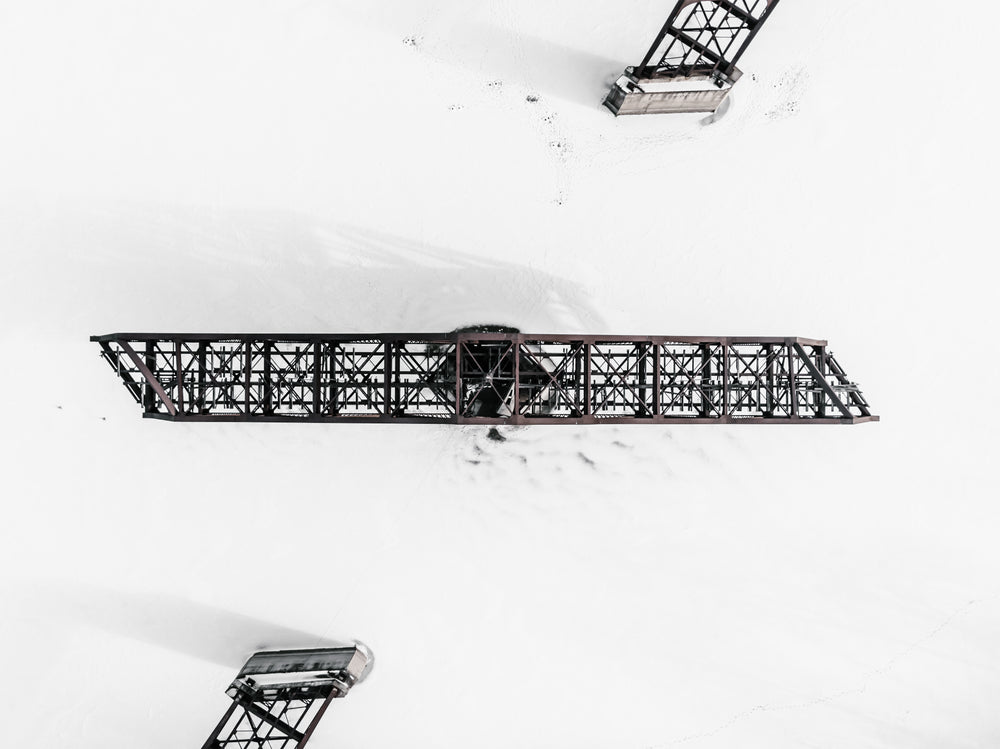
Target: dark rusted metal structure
{"points": [[705, 37], [484, 378], [697, 50], [279, 696]]}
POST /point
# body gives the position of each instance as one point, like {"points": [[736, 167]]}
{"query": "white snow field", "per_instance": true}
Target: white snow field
{"points": [[417, 166]]}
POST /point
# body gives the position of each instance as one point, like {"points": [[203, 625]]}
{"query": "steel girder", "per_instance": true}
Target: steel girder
{"points": [[484, 378], [705, 37]]}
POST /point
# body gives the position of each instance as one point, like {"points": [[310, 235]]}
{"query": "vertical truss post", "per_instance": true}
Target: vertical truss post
{"points": [[387, 372], [332, 394], [588, 403], [247, 377], [793, 388], [725, 379], [202, 362], [458, 379], [317, 378], [705, 381], [179, 373], [769, 385], [641, 352], [268, 383], [818, 352], [656, 380], [516, 342], [150, 394], [398, 392]]}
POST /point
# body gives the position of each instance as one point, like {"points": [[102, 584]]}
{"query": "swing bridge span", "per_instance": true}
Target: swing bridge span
{"points": [[484, 378], [280, 696]]}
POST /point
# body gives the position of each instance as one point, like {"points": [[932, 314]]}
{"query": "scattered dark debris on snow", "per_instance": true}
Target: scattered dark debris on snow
{"points": [[531, 98], [560, 147], [791, 86], [494, 434], [586, 460], [784, 109], [495, 85], [411, 41]]}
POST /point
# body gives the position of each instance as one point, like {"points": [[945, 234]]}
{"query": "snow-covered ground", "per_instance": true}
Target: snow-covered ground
{"points": [[390, 165]]}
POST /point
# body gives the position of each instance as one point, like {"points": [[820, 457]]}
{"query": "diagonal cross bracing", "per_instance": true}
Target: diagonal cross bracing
{"points": [[470, 377], [704, 37]]}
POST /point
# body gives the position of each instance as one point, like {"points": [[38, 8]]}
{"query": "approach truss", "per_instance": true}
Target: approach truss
{"points": [[705, 38], [279, 696], [483, 378]]}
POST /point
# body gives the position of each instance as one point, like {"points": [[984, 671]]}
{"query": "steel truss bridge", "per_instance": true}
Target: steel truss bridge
{"points": [[279, 696], [484, 378], [691, 64], [705, 37]]}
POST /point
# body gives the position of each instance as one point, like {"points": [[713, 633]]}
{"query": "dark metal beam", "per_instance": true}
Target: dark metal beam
{"points": [[315, 721], [272, 721], [821, 381], [317, 378], [734, 9], [150, 377], [793, 387]]}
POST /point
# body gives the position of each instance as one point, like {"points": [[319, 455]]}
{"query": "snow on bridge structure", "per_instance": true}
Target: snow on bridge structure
{"points": [[470, 377], [279, 696], [691, 65]]}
